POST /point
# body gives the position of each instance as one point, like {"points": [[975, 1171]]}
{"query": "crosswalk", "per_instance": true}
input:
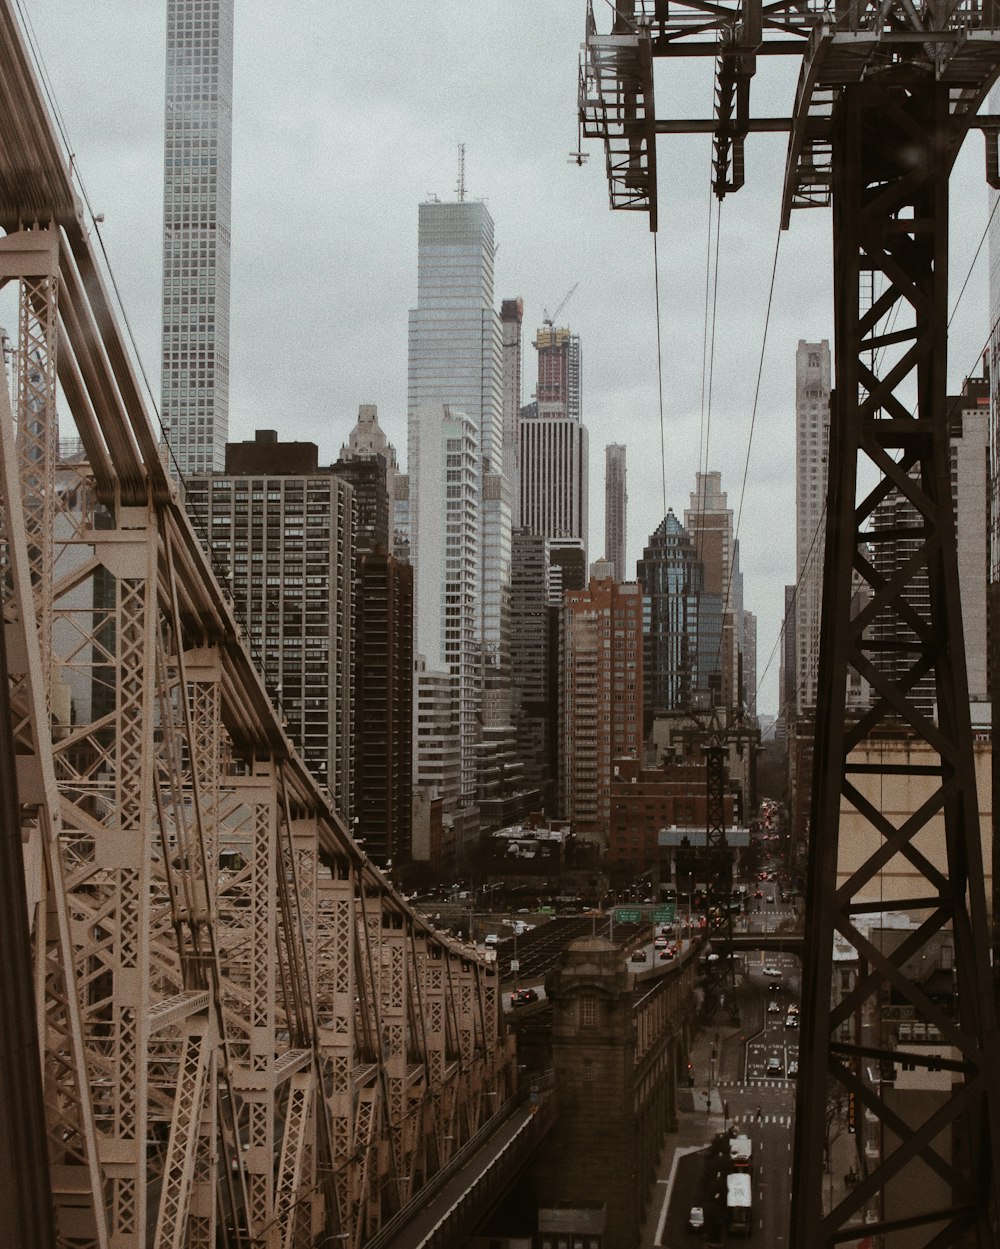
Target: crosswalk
{"points": [[757, 1082], [750, 1118]]}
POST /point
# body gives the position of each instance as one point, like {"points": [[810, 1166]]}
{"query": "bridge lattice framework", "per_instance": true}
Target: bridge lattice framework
{"points": [[238, 1028]]}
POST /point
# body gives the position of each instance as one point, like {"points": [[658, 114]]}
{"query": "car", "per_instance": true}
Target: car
{"points": [[793, 1068], [774, 986], [793, 1008], [771, 970], [774, 1066], [791, 1021], [491, 938], [770, 898], [522, 997], [773, 1008], [696, 1219], [661, 943], [638, 956], [758, 893], [668, 952]]}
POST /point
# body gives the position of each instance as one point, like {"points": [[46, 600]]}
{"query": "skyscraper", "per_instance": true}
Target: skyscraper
{"points": [[615, 508], [455, 367], [812, 441], [282, 531], [554, 460], [534, 642], [383, 651], [709, 521], [560, 373], [671, 579], [367, 441], [511, 318], [600, 694], [445, 535], [197, 169]]}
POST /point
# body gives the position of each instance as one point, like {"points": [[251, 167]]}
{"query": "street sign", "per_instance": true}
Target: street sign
{"points": [[515, 964], [628, 915], [664, 914]]}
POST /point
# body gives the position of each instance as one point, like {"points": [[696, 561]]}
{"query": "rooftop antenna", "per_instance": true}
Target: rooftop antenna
{"points": [[460, 185]]}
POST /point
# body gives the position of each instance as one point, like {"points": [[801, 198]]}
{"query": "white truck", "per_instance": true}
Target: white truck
{"points": [[740, 1152]]}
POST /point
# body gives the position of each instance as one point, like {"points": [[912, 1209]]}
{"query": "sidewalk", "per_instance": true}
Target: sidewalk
{"points": [[696, 1122]]}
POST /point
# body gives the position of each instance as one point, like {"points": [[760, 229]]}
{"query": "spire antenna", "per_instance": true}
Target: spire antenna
{"points": [[460, 185]]}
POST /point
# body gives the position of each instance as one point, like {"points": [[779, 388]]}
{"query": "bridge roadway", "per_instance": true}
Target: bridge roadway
{"points": [[464, 1191]]}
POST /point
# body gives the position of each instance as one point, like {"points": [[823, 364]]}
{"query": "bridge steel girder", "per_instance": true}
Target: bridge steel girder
{"points": [[246, 1034], [895, 140]]}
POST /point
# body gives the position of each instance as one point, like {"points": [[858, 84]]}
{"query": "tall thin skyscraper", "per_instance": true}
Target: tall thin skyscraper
{"points": [[812, 442], [197, 168], [709, 521], [511, 318], [615, 508]]}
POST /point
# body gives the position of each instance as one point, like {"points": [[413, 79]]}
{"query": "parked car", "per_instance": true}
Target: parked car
{"points": [[522, 997], [696, 1219], [793, 1068]]}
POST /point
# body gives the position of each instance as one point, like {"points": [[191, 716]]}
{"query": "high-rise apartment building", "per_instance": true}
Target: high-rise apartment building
{"points": [[812, 442], [383, 653], [367, 441], [615, 508], [671, 579], [281, 531], [554, 462], [445, 535], [749, 654], [560, 373], [197, 167], [709, 521], [383, 722], [534, 651], [600, 695]]}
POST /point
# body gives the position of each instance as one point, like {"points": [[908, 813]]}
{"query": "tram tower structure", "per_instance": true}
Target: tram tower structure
{"points": [[886, 95]]}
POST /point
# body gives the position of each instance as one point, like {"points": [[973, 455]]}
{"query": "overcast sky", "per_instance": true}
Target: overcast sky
{"points": [[347, 115]]}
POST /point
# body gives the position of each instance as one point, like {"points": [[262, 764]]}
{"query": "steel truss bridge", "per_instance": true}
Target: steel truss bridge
{"points": [[221, 1024], [887, 93]]}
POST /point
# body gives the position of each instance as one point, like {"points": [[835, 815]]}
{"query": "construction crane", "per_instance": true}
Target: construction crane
{"points": [[886, 95], [550, 320]]}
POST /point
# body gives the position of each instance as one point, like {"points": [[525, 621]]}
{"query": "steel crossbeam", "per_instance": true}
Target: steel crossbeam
{"points": [[246, 1034]]}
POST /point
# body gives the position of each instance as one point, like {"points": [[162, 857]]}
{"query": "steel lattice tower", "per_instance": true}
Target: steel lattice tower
{"points": [[885, 98]]}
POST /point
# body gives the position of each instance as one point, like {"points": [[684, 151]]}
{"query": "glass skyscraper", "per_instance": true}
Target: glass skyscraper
{"points": [[197, 168], [671, 578], [456, 363]]}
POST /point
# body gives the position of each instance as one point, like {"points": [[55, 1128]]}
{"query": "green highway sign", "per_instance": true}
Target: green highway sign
{"points": [[664, 914], [628, 915]]}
